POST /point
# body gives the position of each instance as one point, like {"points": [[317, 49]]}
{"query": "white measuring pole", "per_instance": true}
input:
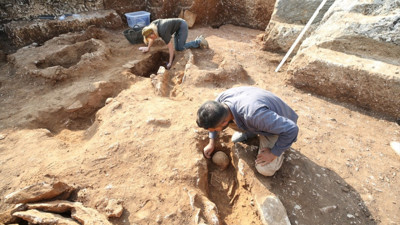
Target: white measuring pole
{"points": [[301, 35]]}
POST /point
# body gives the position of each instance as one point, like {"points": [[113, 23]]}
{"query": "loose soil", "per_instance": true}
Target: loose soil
{"points": [[101, 126]]}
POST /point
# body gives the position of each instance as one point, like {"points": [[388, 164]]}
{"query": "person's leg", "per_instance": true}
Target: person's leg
{"points": [[269, 169], [181, 36], [240, 135], [193, 44]]}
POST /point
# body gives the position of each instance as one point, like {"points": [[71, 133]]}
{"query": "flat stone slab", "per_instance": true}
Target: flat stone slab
{"points": [[37, 217], [39, 192]]}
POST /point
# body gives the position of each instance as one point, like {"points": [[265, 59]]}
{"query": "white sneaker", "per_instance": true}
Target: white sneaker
{"points": [[203, 42], [238, 137]]}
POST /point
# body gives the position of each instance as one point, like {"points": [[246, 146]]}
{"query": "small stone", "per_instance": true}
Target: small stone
{"points": [[350, 216], [395, 146], [161, 70], [2, 136], [108, 100], [328, 209], [114, 208]]}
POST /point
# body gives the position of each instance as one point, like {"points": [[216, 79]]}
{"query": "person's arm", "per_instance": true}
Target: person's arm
{"points": [[265, 156], [266, 120], [171, 54], [208, 150], [146, 49]]}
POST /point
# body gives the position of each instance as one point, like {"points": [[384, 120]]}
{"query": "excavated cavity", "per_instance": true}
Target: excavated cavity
{"points": [[222, 185], [150, 65], [61, 119], [81, 114], [69, 55]]}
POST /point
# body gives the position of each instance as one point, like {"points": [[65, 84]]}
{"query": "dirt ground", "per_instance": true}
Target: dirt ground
{"points": [[145, 149]]}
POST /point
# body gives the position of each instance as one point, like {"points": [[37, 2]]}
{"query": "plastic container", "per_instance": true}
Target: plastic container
{"points": [[141, 18]]}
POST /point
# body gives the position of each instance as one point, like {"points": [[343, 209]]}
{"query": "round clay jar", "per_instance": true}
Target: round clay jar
{"points": [[221, 160]]}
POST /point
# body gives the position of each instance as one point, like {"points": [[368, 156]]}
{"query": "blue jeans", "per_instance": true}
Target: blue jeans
{"points": [[181, 36]]}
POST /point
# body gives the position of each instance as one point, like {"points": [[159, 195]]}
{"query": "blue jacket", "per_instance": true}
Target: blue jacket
{"points": [[260, 112]]}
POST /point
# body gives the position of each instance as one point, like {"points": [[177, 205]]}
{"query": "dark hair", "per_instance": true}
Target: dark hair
{"points": [[210, 114]]}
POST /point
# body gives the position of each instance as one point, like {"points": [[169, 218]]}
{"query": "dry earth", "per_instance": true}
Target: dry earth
{"points": [[145, 149]]}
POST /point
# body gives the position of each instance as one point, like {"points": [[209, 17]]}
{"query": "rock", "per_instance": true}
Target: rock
{"points": [[273, 211], [7, 217], [77, 105], [114, 208], [190, 18], [82, 214], [395, 146], [39, 192], [288, 20], [206, 211], [111, 207], [88, 216], [270, 208], [328, 209], [109, 100], [221, 160], [37, 217], [349, 49], [279, 37], [161, 82]]}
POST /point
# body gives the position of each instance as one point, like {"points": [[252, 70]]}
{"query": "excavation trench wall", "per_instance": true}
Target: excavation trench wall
{"points": [[337, 30], [24, 22]]}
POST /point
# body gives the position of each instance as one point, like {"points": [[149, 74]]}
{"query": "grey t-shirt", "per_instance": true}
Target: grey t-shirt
{"points": [[167, 27]]}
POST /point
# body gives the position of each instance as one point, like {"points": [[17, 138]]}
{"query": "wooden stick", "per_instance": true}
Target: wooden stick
{"points": [[301, 35]]}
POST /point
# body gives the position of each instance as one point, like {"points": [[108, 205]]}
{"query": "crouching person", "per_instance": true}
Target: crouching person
{"points": [[252, 111]]}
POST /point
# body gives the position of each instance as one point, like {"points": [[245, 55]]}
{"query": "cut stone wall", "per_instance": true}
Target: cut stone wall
{"points": [[353, 56], [288, 20]]}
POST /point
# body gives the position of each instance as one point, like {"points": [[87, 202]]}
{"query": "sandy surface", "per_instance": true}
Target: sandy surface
{"points": [[146, 150]]}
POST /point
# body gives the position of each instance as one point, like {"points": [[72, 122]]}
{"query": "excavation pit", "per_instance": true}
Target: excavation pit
{"points": [[222, 185], [151, 64], [69, 55]]}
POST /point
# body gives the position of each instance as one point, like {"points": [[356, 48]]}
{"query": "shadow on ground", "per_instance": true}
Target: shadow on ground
{"points": [[313, 194]]}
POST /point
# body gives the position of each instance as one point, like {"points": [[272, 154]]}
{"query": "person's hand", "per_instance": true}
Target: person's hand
{"points": [[169, 66], [208, 150], [144, 49], [265, 156]]}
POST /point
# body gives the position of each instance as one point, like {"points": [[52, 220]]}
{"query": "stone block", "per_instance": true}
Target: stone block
{"points": [[288, 20], [190, 18], [353, 57]]}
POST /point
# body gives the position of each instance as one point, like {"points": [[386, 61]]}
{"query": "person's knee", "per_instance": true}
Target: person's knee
{"points": [[268, 172], [179, 48]]}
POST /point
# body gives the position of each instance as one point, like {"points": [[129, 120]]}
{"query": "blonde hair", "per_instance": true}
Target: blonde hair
{"points": [[153, 27]]}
